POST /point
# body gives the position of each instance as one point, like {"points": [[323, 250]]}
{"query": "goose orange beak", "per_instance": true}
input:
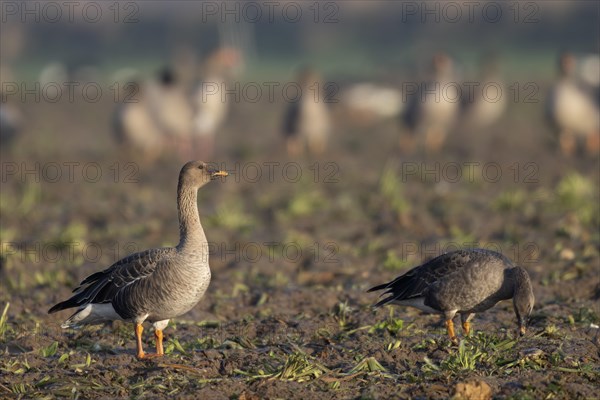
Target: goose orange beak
{"points": [[216, 174]]}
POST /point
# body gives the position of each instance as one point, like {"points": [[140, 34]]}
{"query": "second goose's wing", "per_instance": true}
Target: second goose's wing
{"points": [[415, 282]]}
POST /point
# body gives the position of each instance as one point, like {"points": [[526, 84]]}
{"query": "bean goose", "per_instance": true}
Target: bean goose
{"points": [[155, 116], [573, 110], [211, 100], [462, 282], [484, 105], [154, 285], [433, 109], [307, 122], [11, 117]]}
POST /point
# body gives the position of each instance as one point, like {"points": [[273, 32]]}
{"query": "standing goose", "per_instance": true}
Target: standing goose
{"points": [[11, 117], [432, 111], [464, 282], [573, 110], [210, 99], [134, 127], [482, 107], [155, 116], [307, 122], [154, 285]]}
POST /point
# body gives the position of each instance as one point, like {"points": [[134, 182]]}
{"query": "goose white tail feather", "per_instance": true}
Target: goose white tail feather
{"points": [[91, 314]]}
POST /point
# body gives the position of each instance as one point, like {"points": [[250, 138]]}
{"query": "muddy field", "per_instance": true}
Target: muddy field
{"points": [[295, 245]]}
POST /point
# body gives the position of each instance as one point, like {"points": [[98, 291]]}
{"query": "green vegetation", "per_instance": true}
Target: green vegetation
{"points": [[394, 263], [512, 200], [368, 364], [579, 195], [391, 189], [4, 321]]}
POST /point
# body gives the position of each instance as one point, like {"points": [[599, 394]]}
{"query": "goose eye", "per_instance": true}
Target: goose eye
{"points": [[201, 167]]}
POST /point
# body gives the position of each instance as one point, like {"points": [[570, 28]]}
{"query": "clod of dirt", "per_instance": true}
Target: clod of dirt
{"points": [[248, 396], [567, 254], [532, 353], [475, 390], [315, 278]]}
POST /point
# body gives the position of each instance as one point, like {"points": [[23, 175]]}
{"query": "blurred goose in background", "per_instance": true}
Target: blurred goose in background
{"points": [[154, 285], [433, 110], [487, 103], [54, 73], [184, 62], [589, 71], [307, 121], [156, 115], [370, 102], [210, 101], [135, 129], [11, 117], [11, 122], [573, 109], [169, 104], [462, 282]]}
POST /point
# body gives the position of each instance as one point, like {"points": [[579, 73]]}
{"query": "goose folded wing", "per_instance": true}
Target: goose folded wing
{"points": [[103, 286], [415, 282]]}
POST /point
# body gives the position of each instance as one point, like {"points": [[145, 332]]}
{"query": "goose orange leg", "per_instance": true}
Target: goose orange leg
{"points": [[434, 140], [294, 147], [159, 345], [138, 337], [466, 327], [592, 143], [407, 142], [466, 322], [159, 342], [450, 328], [568, 144]]}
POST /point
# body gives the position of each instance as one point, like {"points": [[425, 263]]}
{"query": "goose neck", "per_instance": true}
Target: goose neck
{"points": [[191, 234]]}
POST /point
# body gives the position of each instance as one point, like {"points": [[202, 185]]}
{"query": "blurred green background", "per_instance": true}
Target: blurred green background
{"points": [[347, 38]]}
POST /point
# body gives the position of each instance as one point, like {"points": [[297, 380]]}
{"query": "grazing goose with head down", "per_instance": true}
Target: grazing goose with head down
{"points": [[157, 284], [464, 282]]}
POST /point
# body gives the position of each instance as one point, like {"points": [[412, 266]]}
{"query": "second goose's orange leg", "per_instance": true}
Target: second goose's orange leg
{"points": [[450, 328], [159, 342], [466, 327]]}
